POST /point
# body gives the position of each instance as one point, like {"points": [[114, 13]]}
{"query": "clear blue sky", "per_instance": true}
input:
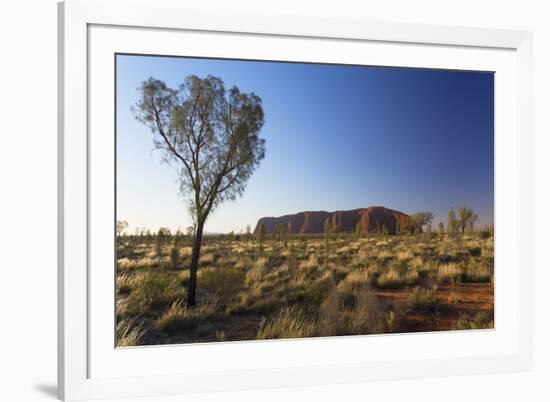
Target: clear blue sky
{"points": [[337, 137]]}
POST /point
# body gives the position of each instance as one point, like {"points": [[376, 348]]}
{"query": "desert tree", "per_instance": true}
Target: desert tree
{"points": [[174, 257], [211, 137], [177, 238], [441, 228], [472, 221], [261, 237], [466, 218], [121, 226], [248, 232], [420, 219], [452, 223], [162, 235]]}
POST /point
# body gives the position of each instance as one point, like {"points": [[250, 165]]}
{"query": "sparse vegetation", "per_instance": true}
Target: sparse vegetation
{"points": [[316, 285]]}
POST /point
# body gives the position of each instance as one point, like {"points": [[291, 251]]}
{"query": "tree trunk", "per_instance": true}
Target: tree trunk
{"points": [[194, 265]]}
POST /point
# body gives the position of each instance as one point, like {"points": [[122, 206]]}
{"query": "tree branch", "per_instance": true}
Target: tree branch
{"points": [[168, 143]]}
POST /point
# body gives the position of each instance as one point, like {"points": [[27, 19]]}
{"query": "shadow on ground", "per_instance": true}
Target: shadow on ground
{"points": [[47, 389]]}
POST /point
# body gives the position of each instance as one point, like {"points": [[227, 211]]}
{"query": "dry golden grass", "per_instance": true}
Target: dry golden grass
{"points": [[289, 322], [449, 273], [180, 317], [128, 333], [302, 289]]}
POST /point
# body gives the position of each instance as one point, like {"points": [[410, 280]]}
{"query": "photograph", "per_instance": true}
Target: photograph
{"points": [[259, 200]]}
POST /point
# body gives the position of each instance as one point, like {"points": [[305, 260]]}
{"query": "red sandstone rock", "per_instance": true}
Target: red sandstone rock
{"points": [[370, 220]]}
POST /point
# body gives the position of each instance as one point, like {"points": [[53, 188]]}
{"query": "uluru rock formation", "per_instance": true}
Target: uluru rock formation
{"points": [[370, 220]]}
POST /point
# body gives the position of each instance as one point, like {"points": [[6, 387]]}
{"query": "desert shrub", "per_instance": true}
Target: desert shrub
{"points": [[309, 266], [449, 273], [384, 255], [353, 281], [481, 320], [262, 305], [390, 321], [359, 312], [421, 299], [243, 262], [331, 308], [206, 260], [317, 290], [477, 272], [180, 317], [404, 255], [485, 234], [475, 251], [121, 307], [417, 263], [390, 279], [411, 277], [125, 263], [289, 322], [128, 333], [124, 283], [368, 315], [153, 289], [174, 257], [221, 281], [257, 272]]}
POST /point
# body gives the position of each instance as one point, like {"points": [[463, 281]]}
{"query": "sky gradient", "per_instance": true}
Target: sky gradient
{"points": [[337, 137]]}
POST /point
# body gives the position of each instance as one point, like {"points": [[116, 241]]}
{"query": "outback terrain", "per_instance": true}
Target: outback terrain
{"points": [[305, 280]]}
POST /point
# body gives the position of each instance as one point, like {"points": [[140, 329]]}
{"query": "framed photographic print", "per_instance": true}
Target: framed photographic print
{"points": [[262, 201]]}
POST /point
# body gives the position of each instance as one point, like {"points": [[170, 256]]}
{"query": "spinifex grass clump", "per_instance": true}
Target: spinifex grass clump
{"points": [[288, 322], [181, 317]]}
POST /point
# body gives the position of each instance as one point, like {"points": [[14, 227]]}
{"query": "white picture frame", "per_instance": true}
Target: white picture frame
{"points": [[88, 369]]}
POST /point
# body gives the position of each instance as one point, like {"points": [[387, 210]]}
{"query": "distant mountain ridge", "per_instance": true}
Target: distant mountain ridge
{"points": [[366, 220]]}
